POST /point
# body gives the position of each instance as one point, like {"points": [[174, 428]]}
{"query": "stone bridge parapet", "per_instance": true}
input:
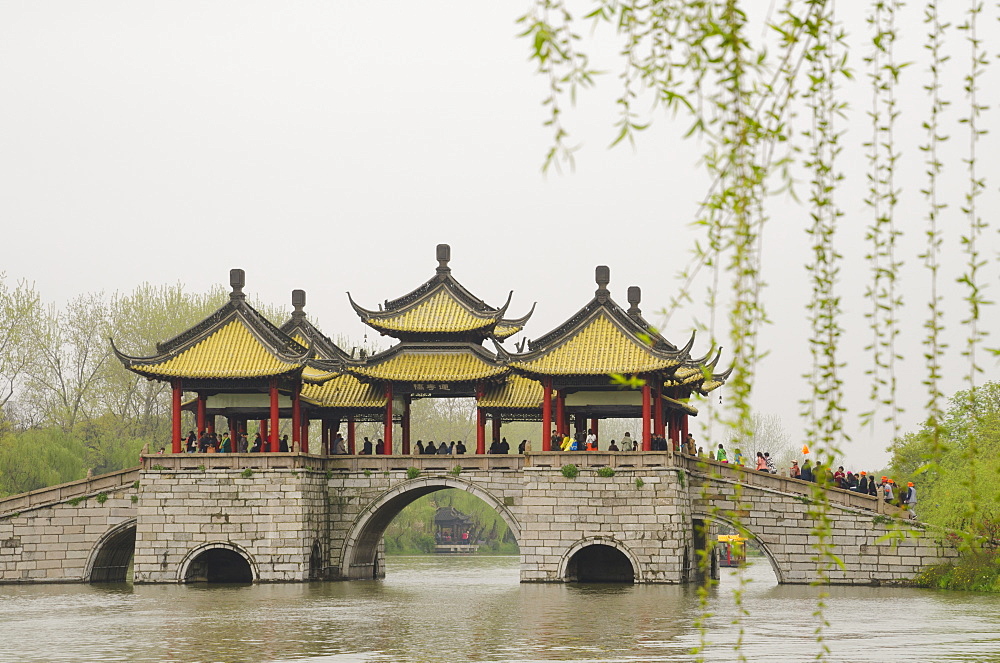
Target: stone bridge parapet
{"points": [[296, 517]]}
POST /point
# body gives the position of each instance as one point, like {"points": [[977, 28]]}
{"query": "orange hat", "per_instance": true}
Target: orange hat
{"points": [[885, 478], [910, 483], [863, 473]]}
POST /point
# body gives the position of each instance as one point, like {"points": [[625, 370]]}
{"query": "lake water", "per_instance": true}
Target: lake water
{"points": [[474, 609]]}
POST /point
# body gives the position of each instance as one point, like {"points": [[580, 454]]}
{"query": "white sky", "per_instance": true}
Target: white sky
{"points": [[330, 146]]}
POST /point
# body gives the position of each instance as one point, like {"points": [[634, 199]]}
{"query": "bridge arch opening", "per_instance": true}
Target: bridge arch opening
{"points": [[599, 561], [363, 553], [111, 558], [217, 563], [756, 548]]}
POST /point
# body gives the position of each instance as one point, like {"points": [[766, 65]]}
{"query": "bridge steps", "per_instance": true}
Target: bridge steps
{"points": [[67, 491]]}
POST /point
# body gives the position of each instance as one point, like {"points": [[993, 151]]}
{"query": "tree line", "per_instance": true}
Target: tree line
{"points": [[66, 404]]}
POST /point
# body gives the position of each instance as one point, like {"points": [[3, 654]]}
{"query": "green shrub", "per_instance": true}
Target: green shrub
{"points": [[456, 470], [639, 483], [102, 498], [606, 472], [368, 473], [247, 473], [412, 473], [570, 471], [135, 499]]}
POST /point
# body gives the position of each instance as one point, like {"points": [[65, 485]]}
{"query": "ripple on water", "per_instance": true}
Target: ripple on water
{"points": [[473, 609]]}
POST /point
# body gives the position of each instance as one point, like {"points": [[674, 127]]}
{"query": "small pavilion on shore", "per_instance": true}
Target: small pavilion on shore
{"points": [[604, 362]]}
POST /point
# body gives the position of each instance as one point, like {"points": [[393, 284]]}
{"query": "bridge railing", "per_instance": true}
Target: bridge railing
{"points": [[584, 459], [69, 490], [783, 484]]}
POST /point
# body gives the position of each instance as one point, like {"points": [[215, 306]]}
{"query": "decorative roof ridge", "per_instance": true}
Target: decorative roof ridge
{"points": [[263, 329], [619, 318], [475, 307], [239, 310], [517, 322], [299, 322]]}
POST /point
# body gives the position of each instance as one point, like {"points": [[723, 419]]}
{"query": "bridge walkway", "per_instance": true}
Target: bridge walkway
{"points": [[67, 491]]}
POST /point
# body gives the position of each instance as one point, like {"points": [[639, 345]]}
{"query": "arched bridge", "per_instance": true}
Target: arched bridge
{"points": [[638, 517]]}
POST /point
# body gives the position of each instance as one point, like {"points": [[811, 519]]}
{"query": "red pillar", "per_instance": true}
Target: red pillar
{"points": [[274, 416], [546, 414], [560, 412], [646, 433], [496, 427], [350, 434], [175, 437], [200, 414], [305, 433], [684, 425], [296, 417], [657, 405], [405, 433], [480, 422], [387, 434]]}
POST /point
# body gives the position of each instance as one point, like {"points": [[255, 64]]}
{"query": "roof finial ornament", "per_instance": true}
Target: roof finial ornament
{"points": [[634, 297], [237, 279], [603, 277], [298, 302], [443, 256]]}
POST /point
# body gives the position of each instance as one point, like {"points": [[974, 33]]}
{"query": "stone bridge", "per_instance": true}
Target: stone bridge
{"points": [[295, 517]]}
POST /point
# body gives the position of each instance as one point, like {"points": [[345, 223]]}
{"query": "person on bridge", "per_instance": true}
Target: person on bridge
{"points": [[555, 442], [380, 447], [431, 448], [770, 463], [910, 500], [366, 448], [807, 473], [420, 447], [339, 448], [794, 471], [761, 463], [443, 449], [862, 486], [720, 455], [460, 448], [520, 447], [627, 443], [226, 445]]}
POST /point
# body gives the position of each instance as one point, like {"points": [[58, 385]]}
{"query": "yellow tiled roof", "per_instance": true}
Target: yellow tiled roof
{"points": [[517, 392], [344, 391], [711, 385], [684, 372], [301, 340], [315, 375], [443, 366], [441, 312], [599, 348], [229, 352], [506, 331]]}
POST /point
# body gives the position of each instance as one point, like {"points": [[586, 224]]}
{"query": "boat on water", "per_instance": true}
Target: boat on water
{"points": [[732, 550]]}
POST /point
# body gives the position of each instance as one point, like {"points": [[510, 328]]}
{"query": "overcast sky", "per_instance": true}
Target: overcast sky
{"points": [[330, 146]]}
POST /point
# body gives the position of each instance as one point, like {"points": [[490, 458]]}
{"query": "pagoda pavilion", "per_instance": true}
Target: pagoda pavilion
{"points": [[440, 328], [335, 399], [574, 361], [242, 367], [238, 363]]}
